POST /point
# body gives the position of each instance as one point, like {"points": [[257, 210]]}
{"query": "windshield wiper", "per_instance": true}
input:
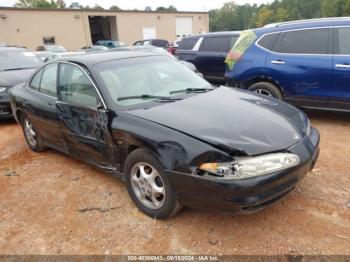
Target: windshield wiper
{"points": [[19, 68], [191, 90], [160, 98]]}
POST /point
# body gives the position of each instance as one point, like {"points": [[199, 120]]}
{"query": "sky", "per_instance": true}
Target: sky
{"points": [[181, 5]]}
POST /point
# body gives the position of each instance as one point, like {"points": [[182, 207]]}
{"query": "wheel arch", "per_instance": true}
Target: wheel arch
{"points": [[19, 114], [263, 78]]}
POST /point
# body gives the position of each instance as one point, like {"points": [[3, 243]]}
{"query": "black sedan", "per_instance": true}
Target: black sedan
{"points": [[173, 138], [16, 66]]}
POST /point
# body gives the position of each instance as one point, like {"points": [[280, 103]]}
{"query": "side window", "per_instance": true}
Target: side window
{"points": [[48, 82], [311, 41], [187, 44], [268, 41], [35, 83], [233, 40], [344, 41], [216, 44], [75, 87]]}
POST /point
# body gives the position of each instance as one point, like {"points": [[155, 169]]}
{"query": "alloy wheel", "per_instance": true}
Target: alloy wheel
{"points": [[263, 92], [30, 133], [147, 185]]}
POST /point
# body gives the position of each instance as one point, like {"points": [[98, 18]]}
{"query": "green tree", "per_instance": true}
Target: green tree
{"points": [[232, 16], [40, 4], [114, 8], [171, 8], [265, 16], [98, 8], [329, 8], [345, 8], [229, 17], [281, 15]]}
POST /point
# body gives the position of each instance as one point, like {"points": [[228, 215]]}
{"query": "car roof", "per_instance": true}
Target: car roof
{"points": [[90, 59], [155, 39], [107, 41], [223, 33], [309, 23], [12, 49]]}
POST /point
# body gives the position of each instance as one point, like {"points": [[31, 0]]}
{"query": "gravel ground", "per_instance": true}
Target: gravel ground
{"points": [[51, 204]]}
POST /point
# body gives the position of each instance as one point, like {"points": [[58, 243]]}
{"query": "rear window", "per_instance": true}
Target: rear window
{"points": [[268, 41], [311, 41], [216, 44], [187, 43], [344, 41], [245, 40]]}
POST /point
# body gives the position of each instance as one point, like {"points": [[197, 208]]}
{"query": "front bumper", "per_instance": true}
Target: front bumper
{"points": [[5, 106], [247, 195]]}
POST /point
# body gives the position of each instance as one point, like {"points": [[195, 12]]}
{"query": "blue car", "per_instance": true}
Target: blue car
{"points": [[110, 43], [306, 63]]}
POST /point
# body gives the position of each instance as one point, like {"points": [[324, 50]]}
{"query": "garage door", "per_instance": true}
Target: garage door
{"points": [[183, 26], [149, 33]]}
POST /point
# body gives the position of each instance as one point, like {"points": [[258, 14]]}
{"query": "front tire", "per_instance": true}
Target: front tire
{"points": [[267, 89], [31, 135], [149, 186]]}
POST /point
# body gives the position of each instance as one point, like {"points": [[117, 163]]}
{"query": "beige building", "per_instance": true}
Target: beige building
{"points": [[75, 28]]}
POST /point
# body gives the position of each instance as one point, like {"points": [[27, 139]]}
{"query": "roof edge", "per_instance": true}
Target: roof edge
{"points": [[98, 11]]}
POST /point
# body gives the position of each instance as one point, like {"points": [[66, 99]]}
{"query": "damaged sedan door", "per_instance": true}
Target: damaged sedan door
{"points": [[84, 118]]}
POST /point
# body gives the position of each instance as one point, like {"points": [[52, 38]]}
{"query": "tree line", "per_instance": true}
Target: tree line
{"points": [[233, 16], [238, 17]]}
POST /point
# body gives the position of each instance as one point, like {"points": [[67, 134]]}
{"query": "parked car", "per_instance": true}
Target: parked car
{"points": [[93, 48], [306, 63], [110, 43], [51, 48], [158, 51], [173, 138], [16, 66], [172, 48], [155, 42], [47, 56], [207, 52]]}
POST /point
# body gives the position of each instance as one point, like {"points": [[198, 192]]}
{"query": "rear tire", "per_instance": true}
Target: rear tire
{"points": [[266, 88], [33, 139], [149, 186]]}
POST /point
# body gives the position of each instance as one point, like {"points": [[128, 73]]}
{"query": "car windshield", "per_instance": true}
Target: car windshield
{"points": [[144, 79], [55, 48], [12, 60]]}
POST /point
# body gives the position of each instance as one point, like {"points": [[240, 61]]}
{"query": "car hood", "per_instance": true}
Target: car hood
{"points": [[233, 120], [12, 78]]}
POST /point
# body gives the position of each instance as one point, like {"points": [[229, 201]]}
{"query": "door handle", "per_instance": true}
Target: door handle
{"points": [[278, 62], [342, 66]]}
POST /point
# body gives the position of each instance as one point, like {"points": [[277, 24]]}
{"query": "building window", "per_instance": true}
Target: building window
{"points": [[49, 40]]}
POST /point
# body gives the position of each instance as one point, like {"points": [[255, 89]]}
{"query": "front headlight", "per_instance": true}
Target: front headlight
{"points": [[3, 89], [251, 166]]}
